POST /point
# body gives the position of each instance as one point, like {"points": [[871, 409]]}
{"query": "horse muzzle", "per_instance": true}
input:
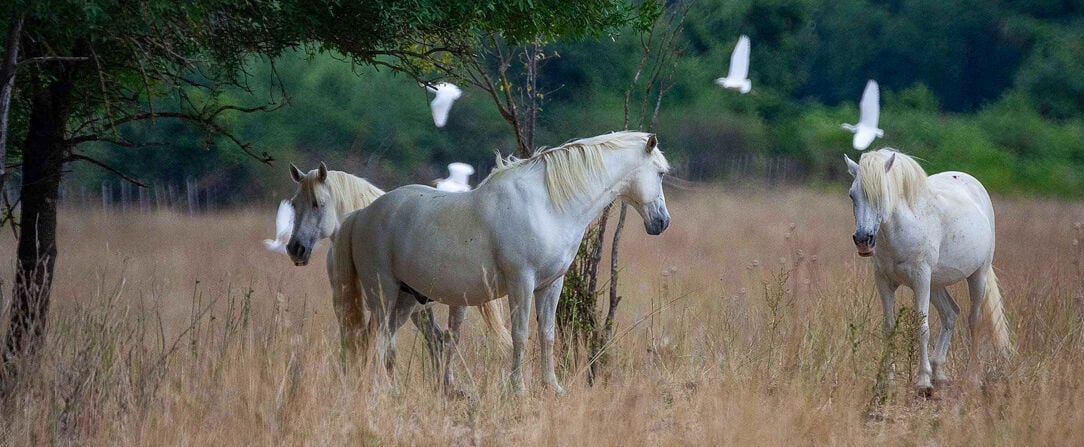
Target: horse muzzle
{"points": [[865, 244], [298, 252], [656, 226]]}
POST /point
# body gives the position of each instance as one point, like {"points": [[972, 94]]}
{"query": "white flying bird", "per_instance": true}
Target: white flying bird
{"points": [[870, 110], [457, 181], [738, 77], [446, 94], [284, 225]]}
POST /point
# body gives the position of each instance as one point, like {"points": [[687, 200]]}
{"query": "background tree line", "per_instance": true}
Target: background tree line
{"points": [[995, 88]]}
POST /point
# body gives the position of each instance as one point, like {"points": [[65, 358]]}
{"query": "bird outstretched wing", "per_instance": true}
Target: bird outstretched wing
{"points": [[284, 225], [739, 60], [870, 106]]}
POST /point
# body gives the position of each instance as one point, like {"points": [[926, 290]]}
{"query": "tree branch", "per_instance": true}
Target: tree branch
{"points": [[44, 59], [126, 177], [115, 141]]}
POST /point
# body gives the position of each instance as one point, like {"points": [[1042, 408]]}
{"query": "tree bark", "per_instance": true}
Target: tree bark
{"points": [[43, 159], [7, 84]]}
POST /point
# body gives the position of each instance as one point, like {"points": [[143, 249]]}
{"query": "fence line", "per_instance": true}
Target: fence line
{"points": [[121, 195], [192, 197]]}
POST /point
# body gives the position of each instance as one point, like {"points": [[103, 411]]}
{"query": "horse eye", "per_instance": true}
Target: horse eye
{"points": [[315, 204]]}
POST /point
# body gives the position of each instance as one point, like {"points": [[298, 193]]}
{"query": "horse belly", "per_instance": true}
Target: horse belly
{"points": [[961, 256], [451, 277]]}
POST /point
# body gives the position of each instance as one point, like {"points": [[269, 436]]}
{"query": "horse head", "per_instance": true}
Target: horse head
{"points": [[867, 216], [314, 215], [644, 191]]}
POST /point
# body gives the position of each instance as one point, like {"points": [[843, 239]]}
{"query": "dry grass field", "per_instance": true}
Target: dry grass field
{"points": [[749, 322]]}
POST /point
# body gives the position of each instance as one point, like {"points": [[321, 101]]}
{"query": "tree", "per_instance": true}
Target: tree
{"points": [[580, 325], [88, 68]]}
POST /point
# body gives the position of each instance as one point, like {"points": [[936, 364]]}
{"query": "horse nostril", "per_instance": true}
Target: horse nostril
{"points": [[854, 237]]}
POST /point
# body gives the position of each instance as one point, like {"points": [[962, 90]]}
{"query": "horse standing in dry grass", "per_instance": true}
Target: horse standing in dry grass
{"points": [[927, 233], [514, 235], [323, 199]]}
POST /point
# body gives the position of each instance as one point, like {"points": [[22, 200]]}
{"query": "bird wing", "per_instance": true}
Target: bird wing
{"points": [[284, 221], [739, 60], [870, 106], [863, 138], [275, 246], [284, 225]]}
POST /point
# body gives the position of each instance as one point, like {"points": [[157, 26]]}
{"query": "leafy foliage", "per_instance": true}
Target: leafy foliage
{"points": [[991, 88]]}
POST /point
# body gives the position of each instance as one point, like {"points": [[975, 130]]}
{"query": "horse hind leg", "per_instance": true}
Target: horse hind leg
{"points": [[949, 312], [381, 309], [349, 309], [426, 321], [456, 316], [402, 310]]}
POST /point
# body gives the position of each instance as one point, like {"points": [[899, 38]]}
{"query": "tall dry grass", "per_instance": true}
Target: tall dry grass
{"points": [[750, 321]]}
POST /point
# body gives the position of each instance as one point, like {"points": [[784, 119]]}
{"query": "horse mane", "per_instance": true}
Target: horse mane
{"points": [[574, 166], [906, 180], [349, 192]]}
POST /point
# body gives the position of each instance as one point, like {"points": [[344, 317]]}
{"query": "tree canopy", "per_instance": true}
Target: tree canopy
{"points": [[990, 87]]}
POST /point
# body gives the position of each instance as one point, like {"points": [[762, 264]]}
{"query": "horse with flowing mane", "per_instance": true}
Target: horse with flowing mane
{"points": [[323, 199], [927, 233], [515, 235]]}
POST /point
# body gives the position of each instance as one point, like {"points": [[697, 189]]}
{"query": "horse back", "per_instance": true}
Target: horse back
{"points": [[964, 189]]}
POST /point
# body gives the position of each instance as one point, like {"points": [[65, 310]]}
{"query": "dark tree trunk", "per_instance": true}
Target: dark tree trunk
{"points": [[44, 153]]}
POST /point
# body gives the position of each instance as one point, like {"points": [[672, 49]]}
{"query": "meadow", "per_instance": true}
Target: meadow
{"points": [[750, 321]]}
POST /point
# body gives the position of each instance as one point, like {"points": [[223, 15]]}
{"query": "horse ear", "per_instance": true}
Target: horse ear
{"points": [[296, 173], [852, 167], [891, 160], [651, 143], [323, 172]]}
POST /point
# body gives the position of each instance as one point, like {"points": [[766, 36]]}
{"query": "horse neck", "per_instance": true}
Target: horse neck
{"points": [[355, 193], [907, 219], [587, 205]]}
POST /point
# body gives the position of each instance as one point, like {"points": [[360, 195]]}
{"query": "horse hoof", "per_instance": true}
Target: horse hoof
{"points": [[924, 391]]}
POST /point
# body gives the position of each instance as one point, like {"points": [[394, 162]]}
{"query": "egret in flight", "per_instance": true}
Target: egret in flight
{"points": [[284, 225], [446, 94], [738, 77], [870, 110]]}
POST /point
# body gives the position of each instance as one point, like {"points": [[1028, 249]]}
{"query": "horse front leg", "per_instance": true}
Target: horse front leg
{"points": [[886, 288], [923, 384], [546, 309], [520, 295]]}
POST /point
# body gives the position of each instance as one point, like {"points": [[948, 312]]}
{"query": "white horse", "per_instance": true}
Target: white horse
{"points": [[927, 233], [323, 199], [515, 234]]}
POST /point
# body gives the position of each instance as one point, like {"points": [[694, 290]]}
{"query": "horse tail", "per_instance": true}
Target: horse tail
{"points": [[491, 314], [993, 311]]}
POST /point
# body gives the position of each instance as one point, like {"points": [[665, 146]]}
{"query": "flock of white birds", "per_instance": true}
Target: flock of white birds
{"points": [[737, 78], [869, 107]]}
